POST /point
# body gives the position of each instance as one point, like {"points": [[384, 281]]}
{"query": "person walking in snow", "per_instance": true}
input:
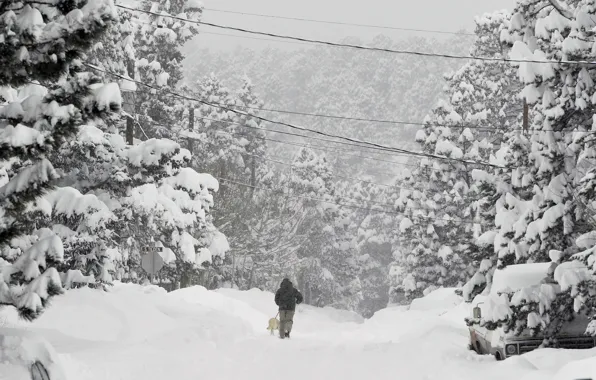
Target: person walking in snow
{"points": [[287, 297]]}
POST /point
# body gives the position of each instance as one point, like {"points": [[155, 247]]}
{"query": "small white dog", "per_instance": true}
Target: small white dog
{"points": [[273, 325]]}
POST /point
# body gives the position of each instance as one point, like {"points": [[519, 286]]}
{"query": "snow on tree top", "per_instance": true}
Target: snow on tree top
{"points": [[444, 252], [571, 273], [90, 134], [587, 240], [71, 203], [548, 221], [166, 33], [151, 152], [168, 255], [487, 239], [203, 255], [190, 180], [446, 148], [405, 224], [32, 89], [75, 277], [193, 4], [41, 172], [162, 202], [420, 135], [529, 71], [516, 277], [30, 21], [219, 244], [107, 96], [20, 135]]}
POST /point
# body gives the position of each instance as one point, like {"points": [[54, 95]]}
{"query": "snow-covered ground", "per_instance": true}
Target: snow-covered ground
{"points": [[144, 333]]}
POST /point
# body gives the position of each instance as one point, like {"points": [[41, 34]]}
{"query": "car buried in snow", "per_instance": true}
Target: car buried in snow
{"points": [[503, 345], [26, 356]]}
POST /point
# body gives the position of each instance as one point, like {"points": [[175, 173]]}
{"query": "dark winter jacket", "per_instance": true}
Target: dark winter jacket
{"points": [[287, 296]]}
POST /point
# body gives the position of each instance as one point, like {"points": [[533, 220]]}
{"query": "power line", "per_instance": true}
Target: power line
{"points": [[242, 113], [371, 120], [341, 23], [299, 135], [404, 122], [278, 161], [257, 38], [318, 147], [337, 150], [333, 150], [359, 47], [456, 221], [400, 122]]}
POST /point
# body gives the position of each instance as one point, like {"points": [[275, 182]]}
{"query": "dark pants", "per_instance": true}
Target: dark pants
{"points": [[286, 320]]}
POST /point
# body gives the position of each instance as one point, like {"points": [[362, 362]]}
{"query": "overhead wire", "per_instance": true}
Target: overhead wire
{"points": [[456, 221], [279, 161], [299, 135], [293, 126], [341, 23], [359, 47], [334, 150], [387, 121]]}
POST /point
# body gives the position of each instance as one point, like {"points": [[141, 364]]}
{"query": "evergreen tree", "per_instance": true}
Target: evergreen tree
{"points": [[545, 217], [43, 43], [157, 44], [485, 92]]}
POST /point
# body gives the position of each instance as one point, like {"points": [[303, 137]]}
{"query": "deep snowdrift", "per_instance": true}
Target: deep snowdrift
{"points": [[136, 332]]}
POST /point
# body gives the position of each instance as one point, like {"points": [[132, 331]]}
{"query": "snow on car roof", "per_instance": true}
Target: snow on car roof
{"points": [[22, 347], [515, 277]]}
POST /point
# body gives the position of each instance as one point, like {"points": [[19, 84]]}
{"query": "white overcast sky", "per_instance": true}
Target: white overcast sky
{"points": [[447, 15]]}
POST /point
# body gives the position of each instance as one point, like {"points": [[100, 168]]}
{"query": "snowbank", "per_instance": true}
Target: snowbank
{"points": [[135, 332], [264, 301], [439, 299], [198, 295], [579, 369]]}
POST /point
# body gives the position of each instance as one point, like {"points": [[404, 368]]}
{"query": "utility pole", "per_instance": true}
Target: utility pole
{"points": [[129, 105], [191, 127], [526, 121], [253, 175]]}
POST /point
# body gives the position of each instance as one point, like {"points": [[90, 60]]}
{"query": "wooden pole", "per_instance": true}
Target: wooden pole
{"points": [[253, 176], [129, 106], [191, 126], [526, 117]]}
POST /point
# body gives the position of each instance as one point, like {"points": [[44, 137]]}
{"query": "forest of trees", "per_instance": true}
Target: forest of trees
{"points": [[110, 144]]}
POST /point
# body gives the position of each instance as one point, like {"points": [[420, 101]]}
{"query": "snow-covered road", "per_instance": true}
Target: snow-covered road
{"points": [[141, 333]]}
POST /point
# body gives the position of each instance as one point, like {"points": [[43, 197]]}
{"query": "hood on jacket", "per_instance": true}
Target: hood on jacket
{"points": [[286, 283]]}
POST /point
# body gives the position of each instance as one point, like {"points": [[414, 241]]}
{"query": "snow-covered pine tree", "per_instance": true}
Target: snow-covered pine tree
{"points": [[309, 182], [442, 193], [485, 93], [470, 126], [550, 219], [43, 43], [157, 43], [232, 146], [218, 147], [417, 267], [168, 204], [326, 255], [372, 228]]}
